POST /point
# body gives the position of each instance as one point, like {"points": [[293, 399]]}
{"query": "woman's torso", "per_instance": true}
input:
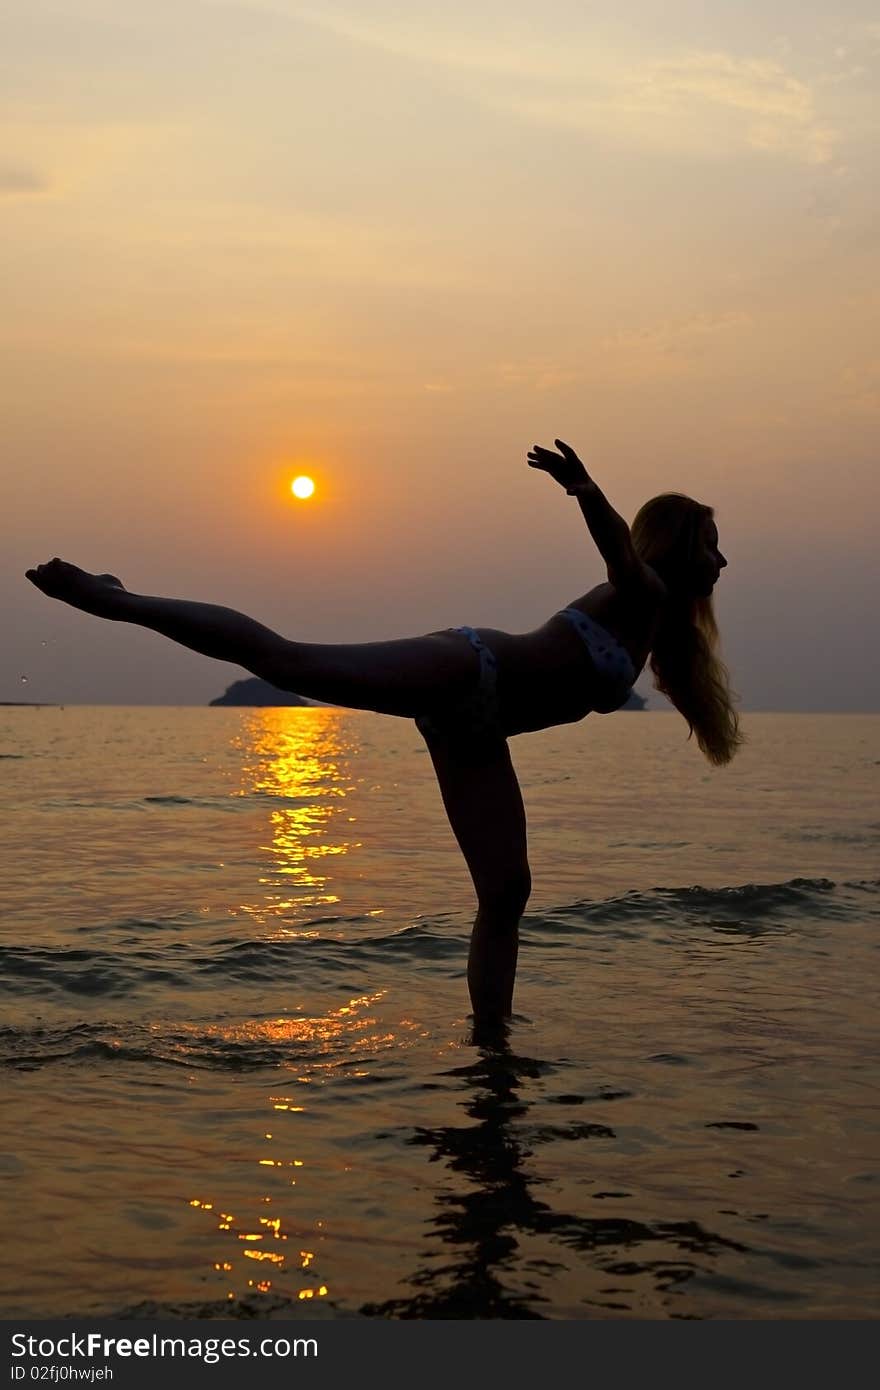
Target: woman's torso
{"points": [[547, 677]]}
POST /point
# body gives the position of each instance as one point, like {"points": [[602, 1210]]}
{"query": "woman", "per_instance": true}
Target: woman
{"points": [[470, 690]]}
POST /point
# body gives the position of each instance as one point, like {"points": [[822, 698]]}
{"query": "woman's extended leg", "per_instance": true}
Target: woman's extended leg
{"points": [[484, 804], [403, 677]]}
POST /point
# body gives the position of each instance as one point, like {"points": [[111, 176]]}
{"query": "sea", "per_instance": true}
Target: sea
{"points": [[237, 1068]]}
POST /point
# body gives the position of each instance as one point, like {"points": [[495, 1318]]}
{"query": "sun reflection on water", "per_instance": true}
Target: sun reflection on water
{"points": [[351, 1030], [299, 765], [300, 760]]}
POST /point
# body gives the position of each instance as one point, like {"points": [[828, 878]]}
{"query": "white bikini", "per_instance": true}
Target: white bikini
{"points": [[476, 715], [611, 661]]}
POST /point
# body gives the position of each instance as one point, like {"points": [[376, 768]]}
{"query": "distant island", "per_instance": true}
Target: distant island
{"points": [[255, 691], [635, 701], [27, 704]]}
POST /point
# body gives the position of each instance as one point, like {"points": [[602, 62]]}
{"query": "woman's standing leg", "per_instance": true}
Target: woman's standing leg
{"points": [[484, 804]]}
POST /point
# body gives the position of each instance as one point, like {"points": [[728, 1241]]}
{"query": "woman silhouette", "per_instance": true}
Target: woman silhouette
{"points": [[470, 690]]}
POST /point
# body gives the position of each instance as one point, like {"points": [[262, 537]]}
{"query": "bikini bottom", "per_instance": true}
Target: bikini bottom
{"points": [[474, 715]]}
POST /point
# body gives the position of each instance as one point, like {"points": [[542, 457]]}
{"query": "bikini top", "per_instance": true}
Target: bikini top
{"points": [[611, 661]]}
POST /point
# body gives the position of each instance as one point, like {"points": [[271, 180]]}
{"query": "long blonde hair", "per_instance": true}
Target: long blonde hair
{"points": [[684, 660]]}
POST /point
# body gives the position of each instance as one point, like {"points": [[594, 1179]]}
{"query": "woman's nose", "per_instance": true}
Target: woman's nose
{"points": [[722, 561]]}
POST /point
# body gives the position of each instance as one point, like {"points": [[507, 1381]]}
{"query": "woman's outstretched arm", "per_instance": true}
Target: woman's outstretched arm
{"points": [[607, 527]]}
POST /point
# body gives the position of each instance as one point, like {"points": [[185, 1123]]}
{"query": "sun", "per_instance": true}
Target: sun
{"points": [[302, 487]]}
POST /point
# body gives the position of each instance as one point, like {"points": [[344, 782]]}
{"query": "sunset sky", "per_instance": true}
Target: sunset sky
{"points": [[391, 246]]}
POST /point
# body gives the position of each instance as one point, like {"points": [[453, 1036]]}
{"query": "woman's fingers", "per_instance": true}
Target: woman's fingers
{"points": [[566, 450], [47, 576]]}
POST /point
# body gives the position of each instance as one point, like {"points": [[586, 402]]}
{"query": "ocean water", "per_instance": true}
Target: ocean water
{"points": [[236, 1065]]}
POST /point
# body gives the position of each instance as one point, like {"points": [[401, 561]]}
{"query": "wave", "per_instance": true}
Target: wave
{"points": [[229, 803], [267, 1044], [245, 1307], [131, 955], [753, 906], [142, 959]]}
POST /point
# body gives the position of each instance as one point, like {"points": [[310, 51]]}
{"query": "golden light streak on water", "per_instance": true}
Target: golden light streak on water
{"points": [[269, 1255], [350, 1022], [304, 765], [353, 1024]]}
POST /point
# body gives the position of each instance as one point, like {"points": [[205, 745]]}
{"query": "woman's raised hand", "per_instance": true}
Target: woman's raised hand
{"points": [[564, 467]]}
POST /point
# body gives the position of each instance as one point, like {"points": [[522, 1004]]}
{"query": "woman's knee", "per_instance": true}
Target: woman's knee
{"points": [[506, 897]]}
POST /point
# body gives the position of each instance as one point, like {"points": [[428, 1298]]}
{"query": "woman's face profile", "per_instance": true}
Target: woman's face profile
{"points": [[708, 560]]}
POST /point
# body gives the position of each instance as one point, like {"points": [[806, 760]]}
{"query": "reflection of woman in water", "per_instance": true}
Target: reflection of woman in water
{"points": [[470, 690]]}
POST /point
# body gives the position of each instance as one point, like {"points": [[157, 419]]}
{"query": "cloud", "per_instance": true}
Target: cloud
{"points": [[696, 101], [439, 40], [19, 183], [859, 389], [776, 109], [669, 350]]}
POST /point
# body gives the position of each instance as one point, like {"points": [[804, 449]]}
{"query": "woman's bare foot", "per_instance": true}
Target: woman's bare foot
{"points": [[93, 593]]}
